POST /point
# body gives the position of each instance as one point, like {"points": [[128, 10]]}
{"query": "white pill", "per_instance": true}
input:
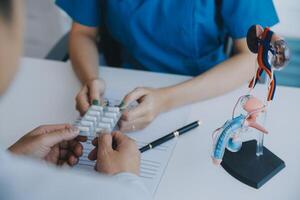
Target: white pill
{"points": [[111, 114], [104, 125], [86, 123], [97, 108], [107, 120], [90, 118], [93, 113], [83, 128], [98, 130], [84, 133], [113, 109]]}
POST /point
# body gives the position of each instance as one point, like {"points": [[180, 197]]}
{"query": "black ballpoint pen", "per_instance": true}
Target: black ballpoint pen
{"points": [[170, 136]]}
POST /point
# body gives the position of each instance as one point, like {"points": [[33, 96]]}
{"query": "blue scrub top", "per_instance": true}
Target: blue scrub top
{"points": [[172, 36]]}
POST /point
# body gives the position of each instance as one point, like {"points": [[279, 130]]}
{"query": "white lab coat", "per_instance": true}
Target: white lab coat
{"points": [[27, 179]]}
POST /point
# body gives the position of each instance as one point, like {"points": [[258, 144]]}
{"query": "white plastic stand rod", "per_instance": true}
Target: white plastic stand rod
{"points": [[260, 145], [260, 139]]}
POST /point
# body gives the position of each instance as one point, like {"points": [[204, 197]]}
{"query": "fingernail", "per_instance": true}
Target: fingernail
{"points": [[106, 102], [95, 102], [122, 105]]}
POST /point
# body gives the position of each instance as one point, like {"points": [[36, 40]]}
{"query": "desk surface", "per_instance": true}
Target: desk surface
{"points": [[44, 91]]}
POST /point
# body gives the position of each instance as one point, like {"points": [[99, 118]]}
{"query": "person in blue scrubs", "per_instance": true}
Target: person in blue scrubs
{"points": [[169, 36]]}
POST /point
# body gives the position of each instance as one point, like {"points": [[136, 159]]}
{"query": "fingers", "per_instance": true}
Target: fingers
{"points": [[95, 142], [89, 94], [93, 154], [81, 138], [118, 137], [134, 96], [134, 125], [120, 140], [63, 154], [50, 128], [73, 145], [71, 153], [76, 148], [59, 136], [53, 155], [73, 160], [105, 143], [140, 116], [94, 92], [125, 157], [82, 100], [64, 145], [137, 112]]}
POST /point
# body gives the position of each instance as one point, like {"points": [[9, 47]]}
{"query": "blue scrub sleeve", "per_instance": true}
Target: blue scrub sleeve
{"points": [[239, 15], [85, 12]]}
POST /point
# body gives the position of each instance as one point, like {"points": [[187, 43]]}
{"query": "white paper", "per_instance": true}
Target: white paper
{"points": [[155, 161]]}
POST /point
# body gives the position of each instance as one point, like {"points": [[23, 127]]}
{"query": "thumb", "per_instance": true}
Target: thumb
{"points": [[94, 94], [119, 139], [105, 143], [133, 96], [58, 136]]}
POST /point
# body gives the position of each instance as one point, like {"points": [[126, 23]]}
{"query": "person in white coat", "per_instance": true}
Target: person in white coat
{"points": [[29, 168]]}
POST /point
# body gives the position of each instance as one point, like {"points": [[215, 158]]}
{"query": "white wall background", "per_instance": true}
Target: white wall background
{"points": [[46, 24], [289, 15]]}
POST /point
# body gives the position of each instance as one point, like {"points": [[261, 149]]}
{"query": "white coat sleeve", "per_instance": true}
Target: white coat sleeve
{"points": [[23, 178]]}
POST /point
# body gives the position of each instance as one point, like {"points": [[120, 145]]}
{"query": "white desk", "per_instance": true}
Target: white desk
{"points": [[44, 91]]}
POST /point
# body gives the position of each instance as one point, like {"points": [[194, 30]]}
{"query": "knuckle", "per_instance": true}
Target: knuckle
{"points": [[126, 116], [79, 97], [129, 117], [129, 96], [104, 136]]}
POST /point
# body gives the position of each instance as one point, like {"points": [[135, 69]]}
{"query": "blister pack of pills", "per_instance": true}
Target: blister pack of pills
{"points": [[98, 119]]}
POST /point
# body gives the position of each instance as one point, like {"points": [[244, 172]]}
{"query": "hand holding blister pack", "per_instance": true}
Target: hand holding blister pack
{"points": [[98, 118], [154, 162]]}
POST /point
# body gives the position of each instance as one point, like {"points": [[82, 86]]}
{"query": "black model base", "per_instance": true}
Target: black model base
{"points": [[250, 169]]}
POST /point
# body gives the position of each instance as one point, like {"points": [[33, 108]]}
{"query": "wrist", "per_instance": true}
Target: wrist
{"points": [[167, 99]]}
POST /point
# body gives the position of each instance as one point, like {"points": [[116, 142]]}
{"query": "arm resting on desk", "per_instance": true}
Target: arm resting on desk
{"points": [[223, 78]]}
